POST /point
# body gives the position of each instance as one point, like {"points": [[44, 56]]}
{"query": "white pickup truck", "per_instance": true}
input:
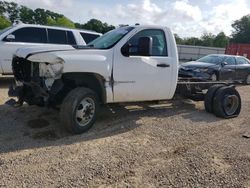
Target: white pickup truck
{"points": [[128, 64]]}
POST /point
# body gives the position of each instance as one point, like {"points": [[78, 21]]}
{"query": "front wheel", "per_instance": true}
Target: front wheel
{"points": [[79, 110]]}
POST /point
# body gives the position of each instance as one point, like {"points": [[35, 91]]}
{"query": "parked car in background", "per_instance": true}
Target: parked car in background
{"points": [[217, 67], [26, 35]]}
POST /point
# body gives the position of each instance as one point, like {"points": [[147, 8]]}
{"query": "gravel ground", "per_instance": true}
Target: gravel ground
{"points": [[174, 144]]}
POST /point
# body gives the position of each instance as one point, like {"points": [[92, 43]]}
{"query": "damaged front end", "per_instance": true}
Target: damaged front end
{"points": [[37, 79]]}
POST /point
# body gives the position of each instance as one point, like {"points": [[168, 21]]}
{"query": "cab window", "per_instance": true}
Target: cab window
{"points": [[71, 38], [230, 61], [242, 61], [30, 35], [57, 36], [159, 42], [87, 37]]}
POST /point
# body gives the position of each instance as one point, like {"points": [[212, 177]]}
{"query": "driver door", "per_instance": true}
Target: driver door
{"points": [[228, 70], [143, 78]]}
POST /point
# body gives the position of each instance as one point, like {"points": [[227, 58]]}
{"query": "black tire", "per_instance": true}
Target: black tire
{"points": [[227, 103], [72, 104], [209, 97]]}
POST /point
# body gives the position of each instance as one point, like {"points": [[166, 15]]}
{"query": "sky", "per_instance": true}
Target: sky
{"points": [[187, 18]]}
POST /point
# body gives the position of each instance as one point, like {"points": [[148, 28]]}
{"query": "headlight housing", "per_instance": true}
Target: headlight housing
{"points": [[51, 70], [201, 69]]}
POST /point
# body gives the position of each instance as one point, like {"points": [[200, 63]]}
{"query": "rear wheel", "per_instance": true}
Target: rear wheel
{"points": [[79, 110], [209, 97], [227, 103]]}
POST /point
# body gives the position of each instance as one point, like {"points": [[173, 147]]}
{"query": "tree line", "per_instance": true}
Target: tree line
{"points": [[11, 11], [241, 34], [207, 39]]}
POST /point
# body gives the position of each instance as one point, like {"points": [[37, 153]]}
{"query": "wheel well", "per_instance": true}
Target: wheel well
{"points": [[217, 73], [92, 81]]}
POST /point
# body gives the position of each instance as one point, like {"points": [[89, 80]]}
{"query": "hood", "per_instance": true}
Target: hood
{"points": [[86, 55], [24, 52], [54, 63], [82, 60], [197, 64]]}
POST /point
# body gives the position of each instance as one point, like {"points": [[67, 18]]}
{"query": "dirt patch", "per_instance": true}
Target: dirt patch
{"points": [[175, 144], [47, 135], [247, 184], [180, 150], [220, 164], [38, 123], [1, 162]]}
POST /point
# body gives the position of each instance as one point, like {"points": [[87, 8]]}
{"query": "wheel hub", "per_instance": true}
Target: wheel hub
{"points": [[231, 103], [85, 111]]}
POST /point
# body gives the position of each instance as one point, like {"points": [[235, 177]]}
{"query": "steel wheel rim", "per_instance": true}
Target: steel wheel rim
{"points": [[85, 111], [231, 104]]}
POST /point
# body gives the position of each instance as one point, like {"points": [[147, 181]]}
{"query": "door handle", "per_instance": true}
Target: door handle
{"points": [[163, 65]]}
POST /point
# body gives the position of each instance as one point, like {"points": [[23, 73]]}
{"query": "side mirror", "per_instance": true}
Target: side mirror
{"points": [[145, 46], [224, 64], [10, 38], [125, 50]]}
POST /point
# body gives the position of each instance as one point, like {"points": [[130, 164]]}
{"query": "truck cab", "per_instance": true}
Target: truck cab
{"points": [[135, 63]]}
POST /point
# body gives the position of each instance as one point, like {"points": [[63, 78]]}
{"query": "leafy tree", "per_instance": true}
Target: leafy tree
{"points": [[208, 39], [78, 25], [96, 25], [221, 40], [51, 21], [40, 16], [178, 39], [53, 15], [241, 33], [193, 41], [2, 7], [62, 21], [13, 11], [4, 22], [27, 15]]}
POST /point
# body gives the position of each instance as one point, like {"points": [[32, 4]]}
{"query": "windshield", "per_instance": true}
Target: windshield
{"points": [[211, 59], [4, 30], [111, 38]]}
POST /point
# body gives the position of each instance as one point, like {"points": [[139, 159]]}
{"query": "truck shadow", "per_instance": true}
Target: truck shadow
{"points": [[6, 81], [33, 127]]}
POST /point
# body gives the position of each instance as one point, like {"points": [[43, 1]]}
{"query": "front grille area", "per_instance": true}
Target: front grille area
{"points": [[21, 69]]}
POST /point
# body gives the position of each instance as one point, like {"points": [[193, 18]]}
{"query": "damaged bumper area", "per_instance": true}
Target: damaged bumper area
{"points": [[36, 83]]}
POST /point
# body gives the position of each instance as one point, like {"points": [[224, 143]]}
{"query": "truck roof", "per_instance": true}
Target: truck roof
{"points": [[150, 26], [54, 27], [226, 55]]}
